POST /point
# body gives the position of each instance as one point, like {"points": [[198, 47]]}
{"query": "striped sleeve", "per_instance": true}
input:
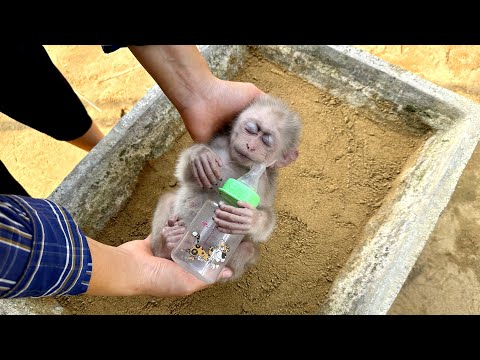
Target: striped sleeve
{"points": [[43, 252]]}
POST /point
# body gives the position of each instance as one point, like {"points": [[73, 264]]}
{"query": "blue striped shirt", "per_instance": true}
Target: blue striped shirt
{"points": [[43, 252]]}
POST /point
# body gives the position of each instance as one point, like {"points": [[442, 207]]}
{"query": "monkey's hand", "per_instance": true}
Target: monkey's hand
{"points": [[172, 233], [233, 220], [205, 166]]}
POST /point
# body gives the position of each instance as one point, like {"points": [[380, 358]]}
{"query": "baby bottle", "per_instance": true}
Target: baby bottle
{"points": [[204, 250]]}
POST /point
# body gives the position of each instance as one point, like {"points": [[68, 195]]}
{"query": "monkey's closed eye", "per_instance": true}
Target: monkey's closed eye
{"points": [[251, 127], [267, 139]]}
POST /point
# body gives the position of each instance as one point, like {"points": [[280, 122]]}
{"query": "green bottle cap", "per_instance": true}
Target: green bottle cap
{"points": [[234, 190]]}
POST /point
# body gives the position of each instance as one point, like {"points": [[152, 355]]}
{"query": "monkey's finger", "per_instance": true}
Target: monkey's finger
{"points": [[178, 224], [233, 231], [225, 207], [195, 175], [173, 240], [245, 205], [201, 174], [243, 212], [218, 160], [207, 168], [172, 220], [214, 167], [223, 224], [173, 237], [177, 230], [224, 215], [167, 231]]}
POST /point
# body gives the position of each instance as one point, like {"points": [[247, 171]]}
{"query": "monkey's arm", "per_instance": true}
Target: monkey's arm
{"points": [[264, 224]]}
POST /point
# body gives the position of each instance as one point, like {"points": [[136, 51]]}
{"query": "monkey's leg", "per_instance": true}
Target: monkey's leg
{"points": [[161, 216], [245, 255]]}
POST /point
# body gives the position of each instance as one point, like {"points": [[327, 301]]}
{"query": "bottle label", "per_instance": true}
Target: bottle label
{"points": [[209, 245]]}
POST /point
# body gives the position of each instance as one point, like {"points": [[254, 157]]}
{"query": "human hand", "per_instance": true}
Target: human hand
{"points": [[204, 101], [162, 277], [217, 104]]}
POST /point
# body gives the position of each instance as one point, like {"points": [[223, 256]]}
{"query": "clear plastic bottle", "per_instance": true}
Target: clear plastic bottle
{"points": [[204, 250]]}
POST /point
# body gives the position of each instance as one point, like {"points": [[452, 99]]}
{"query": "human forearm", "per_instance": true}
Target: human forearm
{"points": [[113, 271], [179, 70], [204, 101]]}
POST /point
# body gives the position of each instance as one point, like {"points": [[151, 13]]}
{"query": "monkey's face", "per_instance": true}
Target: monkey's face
{"points": [[255, 137]]}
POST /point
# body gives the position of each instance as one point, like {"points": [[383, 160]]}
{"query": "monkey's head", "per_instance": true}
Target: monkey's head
{"points": [[266, 131]]}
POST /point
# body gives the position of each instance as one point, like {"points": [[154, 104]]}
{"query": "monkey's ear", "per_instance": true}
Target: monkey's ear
{"points": [[291, 156]]}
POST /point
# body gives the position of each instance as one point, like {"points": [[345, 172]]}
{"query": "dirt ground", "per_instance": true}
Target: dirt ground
{"points": [[445, 277]]}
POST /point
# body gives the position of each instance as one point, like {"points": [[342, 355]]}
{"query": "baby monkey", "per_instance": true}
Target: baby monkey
{"points": [[266, 131]]}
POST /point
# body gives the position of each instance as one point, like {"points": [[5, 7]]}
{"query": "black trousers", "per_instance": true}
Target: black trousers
{"points": [[34, 92]]}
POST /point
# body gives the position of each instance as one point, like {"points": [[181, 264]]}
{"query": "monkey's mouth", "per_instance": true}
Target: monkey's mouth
{"points": [[242, 156]]}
